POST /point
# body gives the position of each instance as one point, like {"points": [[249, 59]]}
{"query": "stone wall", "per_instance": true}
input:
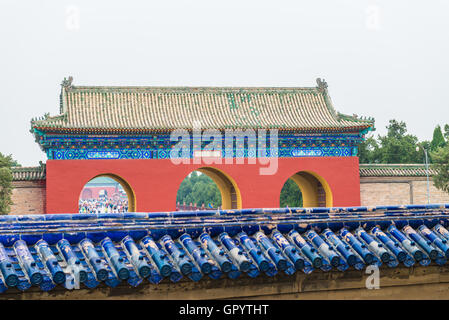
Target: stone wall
{"points": [[28, 197], [398, 190]]}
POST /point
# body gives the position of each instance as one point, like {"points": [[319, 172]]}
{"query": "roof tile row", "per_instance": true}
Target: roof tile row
{"points": [[168, 108], [75, 251], [394, 170], [29, 173]]}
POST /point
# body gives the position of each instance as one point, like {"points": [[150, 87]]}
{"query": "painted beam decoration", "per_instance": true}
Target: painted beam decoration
{"points": [[74, 251], [159, 146]]}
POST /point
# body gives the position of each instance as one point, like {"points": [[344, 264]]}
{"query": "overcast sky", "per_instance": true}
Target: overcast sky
{"points": [[385, 59]]}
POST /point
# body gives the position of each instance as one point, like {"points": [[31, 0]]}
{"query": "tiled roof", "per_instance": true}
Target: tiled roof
{"points": [[394, 170], [52, 250], [28, 173], [139, 109]]}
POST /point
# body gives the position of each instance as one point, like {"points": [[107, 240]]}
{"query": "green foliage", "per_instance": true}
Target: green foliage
{"points": [[6, 162], [441, 166], [446, 132], [199, 188], [397, 146], [291, 196], [437, 140], [14, 163], [368, 150]]}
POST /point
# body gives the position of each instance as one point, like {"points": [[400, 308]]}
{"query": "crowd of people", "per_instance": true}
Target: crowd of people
{"points": [[103, 205]]}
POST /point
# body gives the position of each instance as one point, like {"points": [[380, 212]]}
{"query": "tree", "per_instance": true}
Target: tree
{"points": [[200, 189], [446, 132], [369, 150], [441, 166], [6, 162], [437, 140], [397, 146], [291, 195]]}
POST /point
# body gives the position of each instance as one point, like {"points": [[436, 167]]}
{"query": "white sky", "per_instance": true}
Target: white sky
{"points": [[386, 59]]}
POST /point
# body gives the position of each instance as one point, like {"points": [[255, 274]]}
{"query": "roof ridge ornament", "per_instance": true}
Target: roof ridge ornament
{"points": [[67, 83], [42, 166], [322, 84]]}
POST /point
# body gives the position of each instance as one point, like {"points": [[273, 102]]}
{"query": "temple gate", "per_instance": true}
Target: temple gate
{"points": [[248, 140]]}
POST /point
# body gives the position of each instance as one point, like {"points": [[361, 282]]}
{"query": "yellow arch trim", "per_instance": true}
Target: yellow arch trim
{"points": [[308, 184], [132, 203], [224, 183], [326, 187], [308, 189]]}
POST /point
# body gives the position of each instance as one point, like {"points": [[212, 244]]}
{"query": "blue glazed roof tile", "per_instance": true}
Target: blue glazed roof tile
{"points": [[47, 251]]}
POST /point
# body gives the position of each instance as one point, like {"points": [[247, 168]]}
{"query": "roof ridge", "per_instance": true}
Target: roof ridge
{"points": [[19, 168], [192, 87]]}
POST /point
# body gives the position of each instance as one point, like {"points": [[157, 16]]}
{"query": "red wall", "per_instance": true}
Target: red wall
{"points": [[155, 182]]}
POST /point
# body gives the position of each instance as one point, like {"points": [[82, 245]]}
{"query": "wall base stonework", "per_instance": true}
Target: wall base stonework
{"points": [[28, 197], [430, 282]]}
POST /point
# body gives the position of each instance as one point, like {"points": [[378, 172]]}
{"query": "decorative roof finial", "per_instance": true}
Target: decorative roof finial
{"points": [[67, 83], [322, 84], [42, 165]]}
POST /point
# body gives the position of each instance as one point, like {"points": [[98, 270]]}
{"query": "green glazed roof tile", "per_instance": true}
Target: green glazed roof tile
{"points": [[28, 173], [169, 108], [394, 170]]}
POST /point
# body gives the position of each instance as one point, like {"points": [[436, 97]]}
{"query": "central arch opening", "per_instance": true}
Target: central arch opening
{"points": [[291, 195], [106, 193], [208, 188], [311, 191]]}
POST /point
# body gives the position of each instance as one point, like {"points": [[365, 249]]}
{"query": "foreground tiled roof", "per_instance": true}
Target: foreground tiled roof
{"points": [[394, 170], [138, 109], [28, 173], [53, 250]]}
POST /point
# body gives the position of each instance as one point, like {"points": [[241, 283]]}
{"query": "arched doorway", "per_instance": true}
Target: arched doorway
{"points": [[291, 195], [107, 193], [314, 190], [214, 189]]}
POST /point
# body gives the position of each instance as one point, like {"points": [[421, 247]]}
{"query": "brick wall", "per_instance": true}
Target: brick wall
{"points": [[398, 190], [420, 193], [28, 197]]}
